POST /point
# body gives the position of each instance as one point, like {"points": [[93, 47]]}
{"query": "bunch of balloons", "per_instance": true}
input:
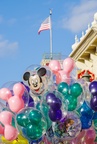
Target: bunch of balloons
{"points": [[62, 72], [49, 106], [70, 93], [93, 91], [32, 123]]}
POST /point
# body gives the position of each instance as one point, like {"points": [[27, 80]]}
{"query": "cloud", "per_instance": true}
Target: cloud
{"points": [[80, 15], [7, 48]]}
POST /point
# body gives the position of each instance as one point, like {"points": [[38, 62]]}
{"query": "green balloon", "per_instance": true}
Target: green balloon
{"points": [[72, 106], [72, 102], [35, 116], [45, 110], [34, 132], [43, 125], [95, 123], [63, 88], [22, 120], [76, 90]]}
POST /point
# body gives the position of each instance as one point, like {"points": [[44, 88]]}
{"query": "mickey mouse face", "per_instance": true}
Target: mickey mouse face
{"points": [[36, 81]]}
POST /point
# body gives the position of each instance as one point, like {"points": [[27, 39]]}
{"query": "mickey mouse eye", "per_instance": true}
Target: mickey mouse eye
{"points": [[32, 82], [36, 81]]}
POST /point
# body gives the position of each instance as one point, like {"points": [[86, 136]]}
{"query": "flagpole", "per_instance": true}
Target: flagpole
{"points": [[51, 50]]}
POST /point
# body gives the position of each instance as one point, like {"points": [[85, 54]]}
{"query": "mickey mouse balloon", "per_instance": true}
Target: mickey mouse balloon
{"points": [[37, 80]]}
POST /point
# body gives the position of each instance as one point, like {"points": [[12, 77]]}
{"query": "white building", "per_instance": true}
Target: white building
{"points": [[84, 52]]}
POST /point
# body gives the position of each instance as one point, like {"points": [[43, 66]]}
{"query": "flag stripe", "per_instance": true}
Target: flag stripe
{"points": [[45, 25]]}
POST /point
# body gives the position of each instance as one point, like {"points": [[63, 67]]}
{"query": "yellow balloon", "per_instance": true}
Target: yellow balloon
{"points": [[19, 140]]}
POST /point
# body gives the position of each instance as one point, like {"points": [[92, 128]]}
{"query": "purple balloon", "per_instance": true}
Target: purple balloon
{"points": [[55, 104], [31, 104], [93, 88], [50, 97], [30, 99], [93, 103], [28, 89], [55, 115]]}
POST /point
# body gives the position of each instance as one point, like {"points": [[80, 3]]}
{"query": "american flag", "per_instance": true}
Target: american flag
{"points": [[46, 25]]}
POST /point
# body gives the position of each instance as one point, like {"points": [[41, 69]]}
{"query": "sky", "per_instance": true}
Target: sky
{"points": [[20, 44]]}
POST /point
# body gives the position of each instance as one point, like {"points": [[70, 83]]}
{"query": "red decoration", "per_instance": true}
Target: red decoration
{"points": [[90, 73]]}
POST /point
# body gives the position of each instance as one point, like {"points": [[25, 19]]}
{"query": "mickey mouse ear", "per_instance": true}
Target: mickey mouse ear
{"points": [[26, 76], [41, 71]]}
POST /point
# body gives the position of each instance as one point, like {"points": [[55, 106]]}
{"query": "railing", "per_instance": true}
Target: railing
{"points": [[54, 56]]}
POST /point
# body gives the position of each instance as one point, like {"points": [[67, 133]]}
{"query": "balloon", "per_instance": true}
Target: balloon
{"points": [[63, 88], [54, 102], [22, 119], [19, 140], [50, 97], [93, 88], [85, 110], [31, 104], [95, 115], [79, 139], [14, 96], [93, 103], [95, 123], [55, 115], [1, 130], [86, 115], [62, 76], [76, 90], [5, 94], [8, 131], [18, 89], [43, 107], [33, 132], [90, 136], [38, 80], [86, 123], [35, 116], [33, 125], [6, 117], [55, 66], [72, 102], [69, 128], [16, 103], [68, 65]]}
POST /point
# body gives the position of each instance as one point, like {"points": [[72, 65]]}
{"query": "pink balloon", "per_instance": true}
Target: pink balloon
{"points": [[10, 133], [5, 94], [68, 65], [78, 139], [1, 129], [61, 76], [18, 89], [5, 117], [16, 104], [55, 66], [90, 136]]}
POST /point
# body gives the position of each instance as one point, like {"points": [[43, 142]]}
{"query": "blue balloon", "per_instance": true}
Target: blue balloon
{"points": [[86, 123], [86, 111], [36, 141]]}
